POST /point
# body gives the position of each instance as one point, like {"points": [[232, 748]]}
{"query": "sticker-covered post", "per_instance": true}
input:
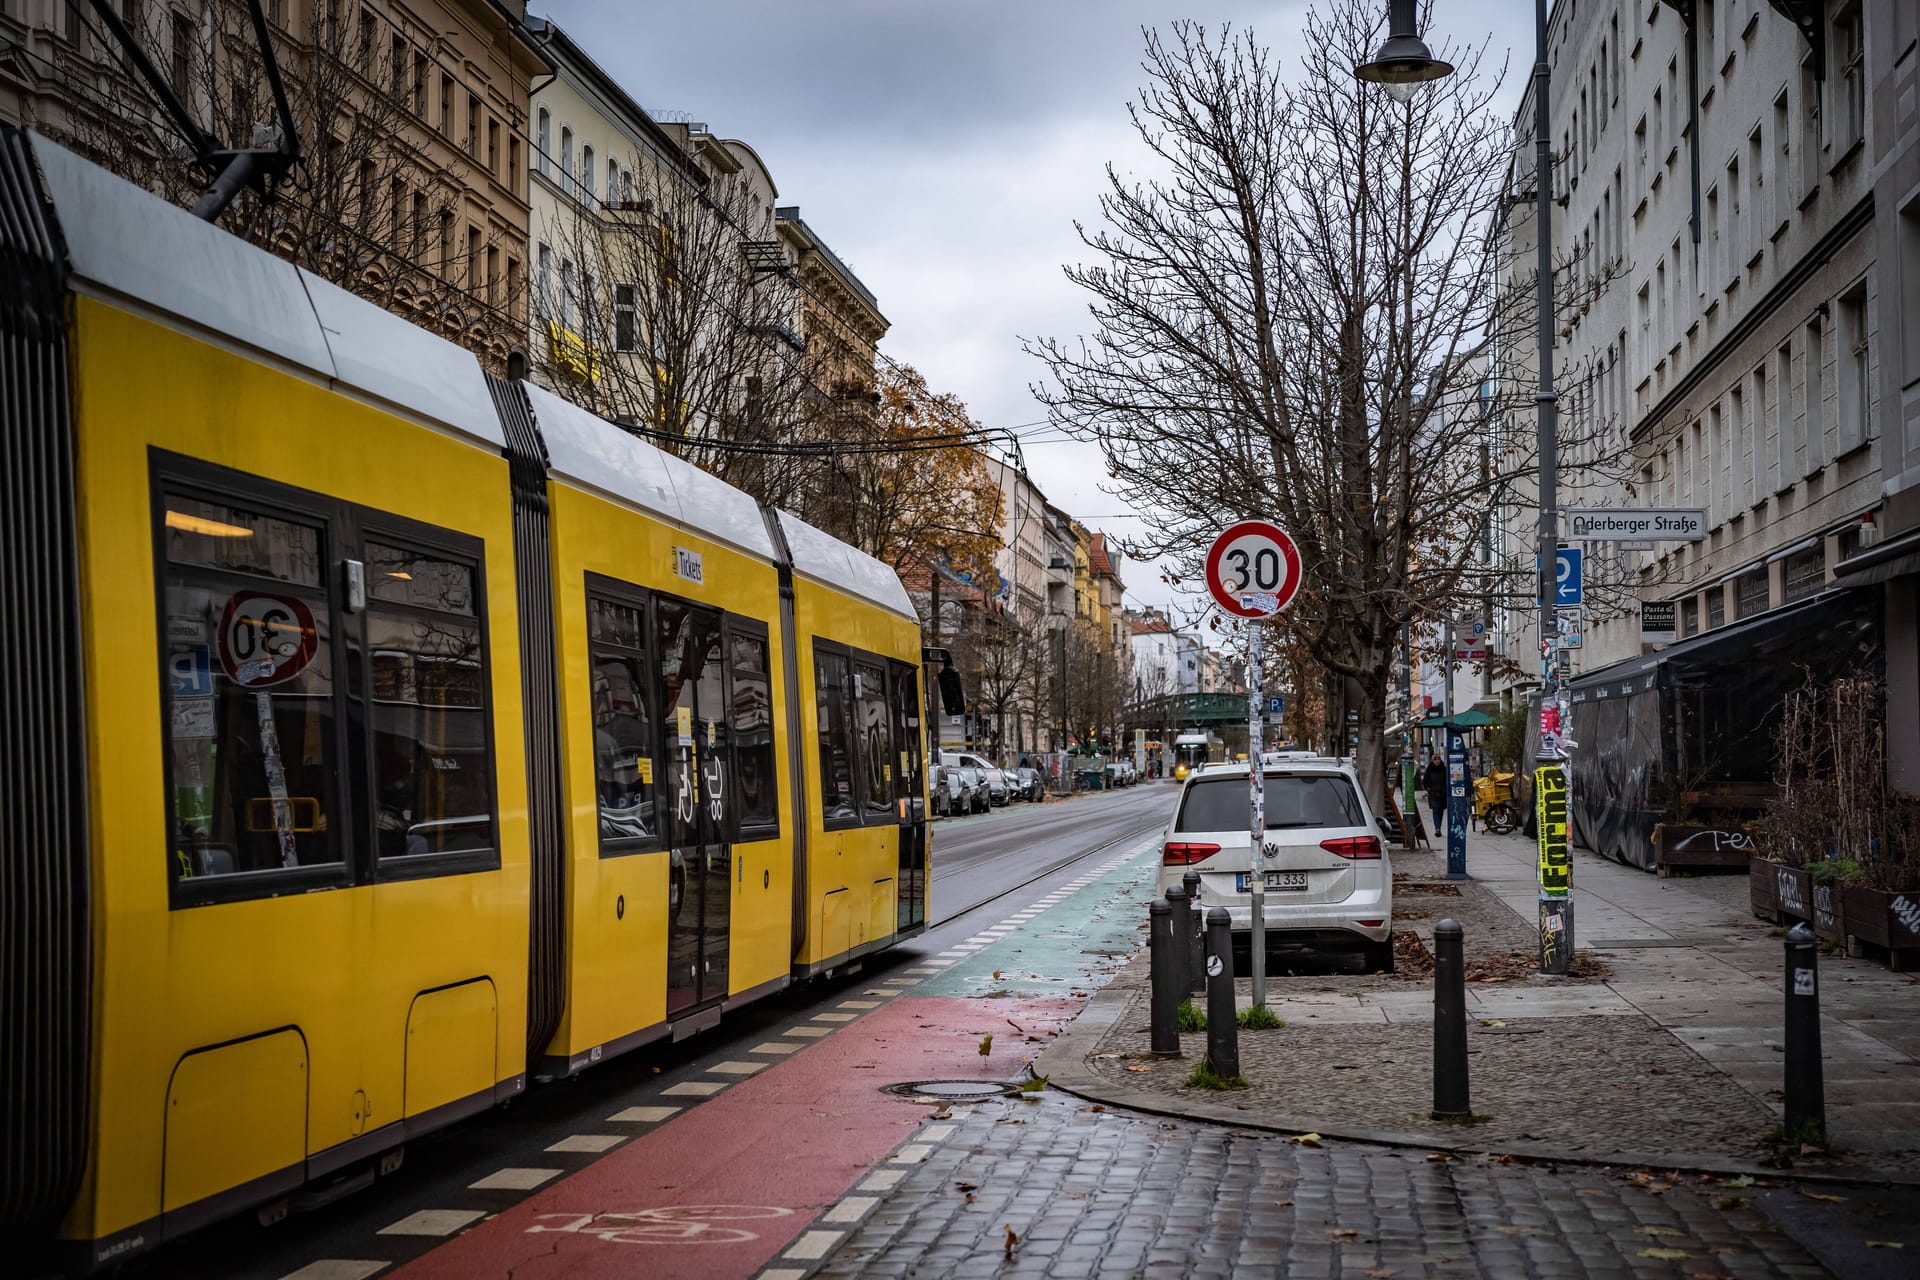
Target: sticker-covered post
{"points": [[1458, 806], [1253, 572], [1556, 869]]}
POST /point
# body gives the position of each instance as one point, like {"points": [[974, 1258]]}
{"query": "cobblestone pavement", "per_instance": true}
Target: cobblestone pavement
{"points": [[1094, 1192]]}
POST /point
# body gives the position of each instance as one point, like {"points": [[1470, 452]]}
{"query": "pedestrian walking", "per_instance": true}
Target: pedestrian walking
{"points": [[1435, 782]]}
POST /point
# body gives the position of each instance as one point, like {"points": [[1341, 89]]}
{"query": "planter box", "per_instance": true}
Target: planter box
{"points": [[1827, 914], [1682, 844], [1866, 915], [1796, 892], [1887, 920], [1763, 889]]}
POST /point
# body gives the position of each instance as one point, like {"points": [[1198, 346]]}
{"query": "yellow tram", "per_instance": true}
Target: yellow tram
{"points": [[389, 734]]}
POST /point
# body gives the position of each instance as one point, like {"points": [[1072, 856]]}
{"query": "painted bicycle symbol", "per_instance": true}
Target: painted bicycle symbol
{"points": [[672, 1224]]}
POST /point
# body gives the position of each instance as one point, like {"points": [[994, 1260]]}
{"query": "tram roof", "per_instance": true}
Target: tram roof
{"points": [[127, 242], [823, 557]]}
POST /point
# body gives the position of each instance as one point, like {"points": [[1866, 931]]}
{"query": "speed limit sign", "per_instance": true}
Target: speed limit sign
{"points": [[265, 639], [1253, 569]]}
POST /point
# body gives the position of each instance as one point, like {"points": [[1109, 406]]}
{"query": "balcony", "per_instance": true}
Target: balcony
{"points": [[572, 354]]}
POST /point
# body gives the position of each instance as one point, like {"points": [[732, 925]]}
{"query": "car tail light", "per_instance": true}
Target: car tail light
{"points": [[1179, 853], [1370, 924], [1353, 846]]}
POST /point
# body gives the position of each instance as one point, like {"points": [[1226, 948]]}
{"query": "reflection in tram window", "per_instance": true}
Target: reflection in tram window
{"points": [[622, 728], [753, 736], [835, 726], [433, 776], [876, 741]]}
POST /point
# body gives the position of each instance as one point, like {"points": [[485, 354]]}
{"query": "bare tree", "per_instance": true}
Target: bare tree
{"points": [[1293, 323], [370, 209]]}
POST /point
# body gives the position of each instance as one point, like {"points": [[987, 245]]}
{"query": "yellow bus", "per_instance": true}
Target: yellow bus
{"points": [[395, 735]]}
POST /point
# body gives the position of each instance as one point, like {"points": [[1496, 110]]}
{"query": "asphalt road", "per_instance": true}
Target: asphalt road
{"points": [[977, 861]]}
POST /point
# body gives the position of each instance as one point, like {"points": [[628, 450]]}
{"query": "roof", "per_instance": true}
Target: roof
{"points": [[1152, 626], [567, 55], [1098, 558], [790, 214]]}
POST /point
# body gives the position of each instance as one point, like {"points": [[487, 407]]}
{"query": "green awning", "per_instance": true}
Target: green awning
{"points": [[1464, 720]]}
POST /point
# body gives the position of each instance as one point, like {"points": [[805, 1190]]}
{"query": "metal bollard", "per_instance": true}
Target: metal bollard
{"points": [[1196, 939], [1165, 978], [1450, 1022], [1806, 1089], [1176, 944], [1223, 1026]]}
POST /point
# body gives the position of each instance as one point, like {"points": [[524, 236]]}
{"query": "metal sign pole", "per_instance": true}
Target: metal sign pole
{"points": [[1257, 829]]}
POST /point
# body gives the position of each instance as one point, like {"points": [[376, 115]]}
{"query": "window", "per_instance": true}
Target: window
{"points": [[1782, 165], [1813, 396], [1736, 225], [566, 296], [1641, 176], [182, 55], [543, 281], [613, 181], [473, 129], [420, 85], [874, 724], [493, 274], [566, 156], [1850, 426], [513, 164], [474, 280], [755, 772], [1721, 507], [1849, 50], [446, 107], [256, 664], [1909, 231], [1689, 619], [397, 56], [1786, 462], [625, 334], [1804, 574], [624, 742], [834, 724], [544, 134], [586, 172], [1810, 96], [493, 146], [432, 766], [1750, 591], [1739, 453], [1757, 228], [1713, 237], [1309, 800], [1716, 607]]}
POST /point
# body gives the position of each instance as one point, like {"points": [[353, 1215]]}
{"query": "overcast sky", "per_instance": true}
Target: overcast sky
{"points": [[944, 151]]}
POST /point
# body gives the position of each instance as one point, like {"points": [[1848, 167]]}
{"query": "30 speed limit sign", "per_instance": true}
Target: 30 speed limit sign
{"points": [[1253, 569]]}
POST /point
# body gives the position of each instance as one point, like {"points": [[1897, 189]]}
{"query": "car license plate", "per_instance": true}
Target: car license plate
{"points": [[1277, 882]]}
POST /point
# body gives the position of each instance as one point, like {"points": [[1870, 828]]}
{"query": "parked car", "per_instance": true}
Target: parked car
{"points": [[1329, 880], [979, 798], [1118, 773], [1029, 784], [948, 791], [993, 780]]}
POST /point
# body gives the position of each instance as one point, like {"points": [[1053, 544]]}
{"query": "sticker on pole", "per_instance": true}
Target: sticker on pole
{"points": [[1253, 569], [266, 639], [1214, 966]]}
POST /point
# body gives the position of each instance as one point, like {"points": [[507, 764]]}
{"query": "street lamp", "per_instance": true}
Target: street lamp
{"points": [[1404, 62]]}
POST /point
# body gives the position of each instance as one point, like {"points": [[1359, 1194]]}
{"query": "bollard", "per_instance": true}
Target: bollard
{"points": [[1806, 1090], [1164, 1022], [1196, 936], [1450, 1022], [1223, 1026], [1176, 942]]}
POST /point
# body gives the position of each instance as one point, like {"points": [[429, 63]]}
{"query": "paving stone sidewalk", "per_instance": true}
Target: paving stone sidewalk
{"points": [[1674, 1056], [1089, 1191]]}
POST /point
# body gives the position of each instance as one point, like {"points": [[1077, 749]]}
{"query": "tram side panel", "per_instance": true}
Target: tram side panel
{"points": [[680, 875], [861, 769], [309, 827]]}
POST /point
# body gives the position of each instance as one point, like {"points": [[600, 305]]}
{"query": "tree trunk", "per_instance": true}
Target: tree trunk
{"points": [[1370, 760]]}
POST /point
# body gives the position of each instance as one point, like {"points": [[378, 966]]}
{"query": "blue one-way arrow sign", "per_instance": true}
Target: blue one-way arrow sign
{"points": [[1566, 576]]}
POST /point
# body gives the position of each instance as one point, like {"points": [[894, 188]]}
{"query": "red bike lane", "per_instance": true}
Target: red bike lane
{"points": [[722, 1189]]}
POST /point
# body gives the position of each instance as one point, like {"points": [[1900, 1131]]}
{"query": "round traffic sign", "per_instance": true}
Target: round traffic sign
{"points": [[1253, 569], [265, 639]]}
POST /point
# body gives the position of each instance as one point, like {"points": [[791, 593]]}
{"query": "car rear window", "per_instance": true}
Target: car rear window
{"points": [[1310, 800]]}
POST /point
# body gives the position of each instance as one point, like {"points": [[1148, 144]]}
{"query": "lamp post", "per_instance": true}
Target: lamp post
{"points": [[1402, 64]]}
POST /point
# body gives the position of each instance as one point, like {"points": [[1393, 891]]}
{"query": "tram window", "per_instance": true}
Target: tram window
{"points": [[432, 766], [250, 727], [754, 774], [623, 737], [905, 691], [835, 727], [876, 741]]}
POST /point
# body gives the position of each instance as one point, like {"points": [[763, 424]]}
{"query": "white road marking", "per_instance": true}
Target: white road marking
{"points": [[514, 1179], [775, 1046], [883, 1180], [694, 1089], [338, 1269], [432, 1222], [783, 1273], [913, 1154], [952, 955], [736, 1068], [876, 991], [923, 972], [590, 1142], [643, 1115], [936, 1133], [834, 1017], [813, 1245], [903, 982], [812, 1033], [850, 1209]]}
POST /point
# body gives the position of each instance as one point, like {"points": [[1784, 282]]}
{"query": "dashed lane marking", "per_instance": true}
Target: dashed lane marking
{"points": [[812, 1033], [643, 1115], [587, 1142], [776, 1046], [882, 1180], [783, 1273], [923, 971], [903, 982], [911, 1154], [813, 1246], [951, 955], [876, 991], [432, 1222], [338, 1269], [694, 1089], [937, 1132], [736, 1068], [850, 1209], [859, 1004], [514, 1179], [834, 1017]]}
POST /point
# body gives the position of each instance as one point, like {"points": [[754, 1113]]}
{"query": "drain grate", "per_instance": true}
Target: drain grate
{"points": [[946, 1091]]}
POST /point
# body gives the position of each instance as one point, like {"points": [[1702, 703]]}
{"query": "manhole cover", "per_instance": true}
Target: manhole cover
{"points": [[943, 1091]]}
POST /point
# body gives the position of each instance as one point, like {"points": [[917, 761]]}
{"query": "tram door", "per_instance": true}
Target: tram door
{"points": [[694, 723]]}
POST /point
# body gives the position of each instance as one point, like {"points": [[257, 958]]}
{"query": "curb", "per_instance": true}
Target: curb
{"points": [[1064, 1064]]}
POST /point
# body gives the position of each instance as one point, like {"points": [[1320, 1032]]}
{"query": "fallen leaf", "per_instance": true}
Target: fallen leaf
{"points": [[1013, 1238], [996, 975], [1437, 1158], [1658, 1231], [1808, 1149], [1665, 1255], [986, 1045], [1382, 1273], [1343, 1233], [1307, 1140], [1095, 1107], [1492, 1022], [1138, 1066], [1741, 1181], [1516, 1231], [1885, 1244], [1283, 1204], [966, 1186], [1815, 1195]]}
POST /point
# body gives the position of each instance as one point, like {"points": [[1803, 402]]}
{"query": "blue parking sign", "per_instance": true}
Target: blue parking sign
{"points": [[1276, 704], [190, 672], [1567, 585]]}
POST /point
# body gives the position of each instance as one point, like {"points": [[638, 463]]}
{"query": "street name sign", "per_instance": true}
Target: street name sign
{"points": [[1657, 621], [1655, 524], [1253, 569]]}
